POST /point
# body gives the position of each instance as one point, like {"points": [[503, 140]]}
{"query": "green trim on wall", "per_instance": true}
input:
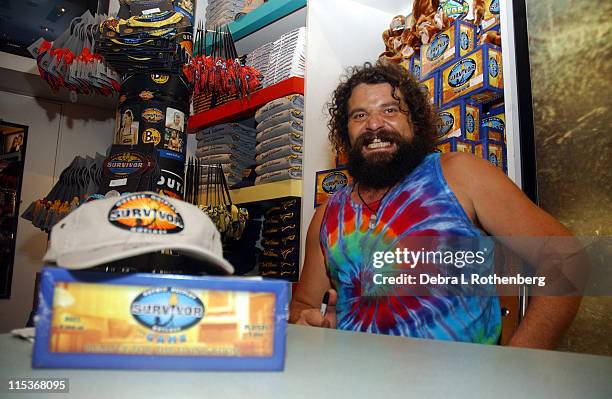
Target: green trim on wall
{"points": [[262, 16]]}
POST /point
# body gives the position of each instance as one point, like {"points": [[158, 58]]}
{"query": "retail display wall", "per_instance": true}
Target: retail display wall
{"points": [[271, 253]]}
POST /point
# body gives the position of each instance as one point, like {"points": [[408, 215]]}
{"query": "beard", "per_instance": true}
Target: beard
{"points": [[385, 170]]}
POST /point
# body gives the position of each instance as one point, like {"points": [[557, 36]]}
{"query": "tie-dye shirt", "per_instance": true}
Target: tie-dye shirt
{"points": [[422, 205]]}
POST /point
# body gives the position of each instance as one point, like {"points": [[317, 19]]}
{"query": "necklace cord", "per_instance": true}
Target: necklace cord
{"points": [[379, 200]]}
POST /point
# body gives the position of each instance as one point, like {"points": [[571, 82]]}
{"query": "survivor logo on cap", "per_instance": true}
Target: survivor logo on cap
{"points": [[146, 213]]}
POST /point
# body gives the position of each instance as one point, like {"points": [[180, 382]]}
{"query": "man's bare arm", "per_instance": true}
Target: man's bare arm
{"points": [[503, 210], [313, 280]]}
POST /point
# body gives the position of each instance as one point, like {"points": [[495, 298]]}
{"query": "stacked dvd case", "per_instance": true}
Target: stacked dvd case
{"points": [[281, 59]]}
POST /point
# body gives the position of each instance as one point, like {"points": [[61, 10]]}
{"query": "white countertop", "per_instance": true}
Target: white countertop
{"points": [[336, 364]]}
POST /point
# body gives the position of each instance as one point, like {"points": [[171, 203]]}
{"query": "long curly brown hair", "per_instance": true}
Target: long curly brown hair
{"points": [[421, 112]]}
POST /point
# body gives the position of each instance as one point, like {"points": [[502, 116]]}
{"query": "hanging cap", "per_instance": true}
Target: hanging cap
{"points": [[111, 229]]}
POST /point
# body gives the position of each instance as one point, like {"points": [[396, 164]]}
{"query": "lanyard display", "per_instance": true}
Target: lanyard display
{"points": [[71, 62], [221, 72], [206, 187]]}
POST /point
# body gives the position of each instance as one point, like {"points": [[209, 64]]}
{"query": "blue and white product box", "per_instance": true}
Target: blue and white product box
{"points": [[492, 144], [415, 66], [431, 85], [461, 120], [491, 16], [152, 321], [493, 124], [494, 152], [455, 144], [478, 76], [447, 46]]}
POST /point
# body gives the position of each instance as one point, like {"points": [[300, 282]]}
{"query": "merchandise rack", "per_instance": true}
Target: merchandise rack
{"points": [[243, 108], [263, 25]]}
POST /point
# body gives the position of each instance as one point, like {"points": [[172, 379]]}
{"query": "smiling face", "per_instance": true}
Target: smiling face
{"points": [[127, 119], [377, 122], [384, 147]]}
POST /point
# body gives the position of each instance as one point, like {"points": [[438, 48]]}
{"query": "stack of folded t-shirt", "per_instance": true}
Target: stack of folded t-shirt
{"points": [[281, 59], [230, 144], [222, 12], [281, 241], [279, 139]]}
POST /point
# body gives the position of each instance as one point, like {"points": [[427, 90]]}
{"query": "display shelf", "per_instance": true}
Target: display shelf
{"points": [[264, 15], [20, 75], [10, 155], [264, 192], [245, 107]]}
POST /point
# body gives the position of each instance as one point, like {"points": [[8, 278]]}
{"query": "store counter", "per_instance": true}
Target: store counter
{"points": [[336, 364]]}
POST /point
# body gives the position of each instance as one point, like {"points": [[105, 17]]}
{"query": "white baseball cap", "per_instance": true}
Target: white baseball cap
{"points": [[133, 224]]}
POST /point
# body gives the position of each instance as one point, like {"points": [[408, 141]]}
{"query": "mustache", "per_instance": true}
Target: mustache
{"points": [[384, 134], [386, 171]]}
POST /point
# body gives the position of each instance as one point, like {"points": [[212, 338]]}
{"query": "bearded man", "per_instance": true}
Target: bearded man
{"points": [[402, 188]]}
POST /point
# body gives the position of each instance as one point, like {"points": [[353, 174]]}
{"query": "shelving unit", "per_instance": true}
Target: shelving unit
{"points": [[265, 24], [20, 75], [264, 16], [10, 156], [243, 108], [264, 192]]}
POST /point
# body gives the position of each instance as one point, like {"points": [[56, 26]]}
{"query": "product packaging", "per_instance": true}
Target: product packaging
{"points": [[156, 321], [491, 14], [432, 86], [493, 124], [447, 46], [494, 152], [461, 120], [477, 76], [415, 66], [454, 144], [328, 182]]}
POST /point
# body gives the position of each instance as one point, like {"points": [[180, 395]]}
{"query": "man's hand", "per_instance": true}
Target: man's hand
{"points": [[313, 317]]}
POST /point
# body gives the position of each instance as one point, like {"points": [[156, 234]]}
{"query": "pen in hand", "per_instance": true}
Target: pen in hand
{"points": [[324, 303]]}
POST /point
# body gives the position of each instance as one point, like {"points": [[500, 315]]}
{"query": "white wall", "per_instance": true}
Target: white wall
{"points": [[513, 144], [341, 33], [57, 133]]}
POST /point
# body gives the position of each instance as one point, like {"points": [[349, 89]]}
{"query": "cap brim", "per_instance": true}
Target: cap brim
{"points": [[78, 260]]}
